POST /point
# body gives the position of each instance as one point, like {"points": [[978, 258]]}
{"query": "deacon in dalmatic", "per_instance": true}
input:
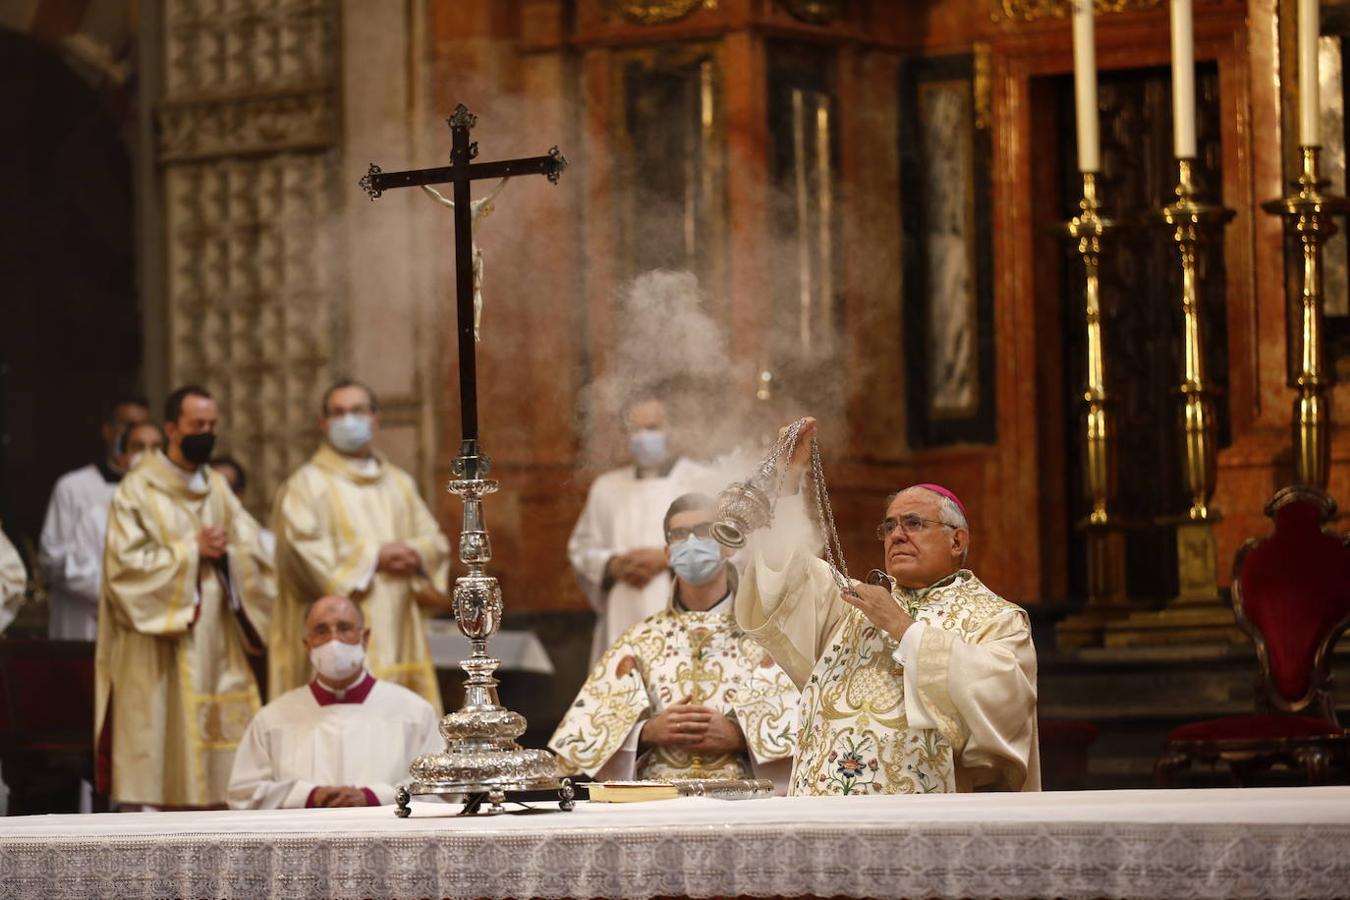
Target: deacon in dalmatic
{"points": [[351, 524], [186, 595], [929, 686], [344, 739], [684, 693]]}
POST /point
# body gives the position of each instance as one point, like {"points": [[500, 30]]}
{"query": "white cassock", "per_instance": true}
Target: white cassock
{"points": [[74, 608], [624, 512], [13, 582], [310, 737]]}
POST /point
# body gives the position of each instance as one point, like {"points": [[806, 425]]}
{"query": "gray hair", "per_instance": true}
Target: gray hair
{"points": [[949, 514]]}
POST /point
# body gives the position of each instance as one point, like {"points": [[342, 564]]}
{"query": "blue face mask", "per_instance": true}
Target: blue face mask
{"points": [[350, 433], [696, 560], [648, 446]]}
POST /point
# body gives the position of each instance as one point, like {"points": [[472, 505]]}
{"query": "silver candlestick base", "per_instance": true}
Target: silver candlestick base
{"points": [[481, 759]]}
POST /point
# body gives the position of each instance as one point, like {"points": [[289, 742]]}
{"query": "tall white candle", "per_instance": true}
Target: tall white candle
{"points": [[1309, 107], [1183, 80], [1085, 87]]}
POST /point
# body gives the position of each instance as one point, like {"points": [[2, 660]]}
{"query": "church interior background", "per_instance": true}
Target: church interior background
{"points": [[868, 193]]}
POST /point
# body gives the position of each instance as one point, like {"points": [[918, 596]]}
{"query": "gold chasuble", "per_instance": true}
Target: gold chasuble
{"points": [[655, 664], [960, 715], [172, 684], [331, 517]]}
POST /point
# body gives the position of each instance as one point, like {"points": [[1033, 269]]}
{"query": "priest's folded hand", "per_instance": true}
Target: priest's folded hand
{"points": [[679, 726], [212, 542], [722, 737], [879, 607], [638, 567], [397, 558]]}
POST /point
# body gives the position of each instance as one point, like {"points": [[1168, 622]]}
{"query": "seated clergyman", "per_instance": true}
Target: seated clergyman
{"points": [[345, 738], [684, 693], [927, 686]]}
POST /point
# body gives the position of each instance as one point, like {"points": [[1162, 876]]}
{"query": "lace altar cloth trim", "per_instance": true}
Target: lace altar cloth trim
{"points": [[1218, 843]]}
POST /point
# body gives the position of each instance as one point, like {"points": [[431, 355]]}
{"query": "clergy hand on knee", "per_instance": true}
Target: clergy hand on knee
{"points": [[397, 558], [879, 607], [212, 542]]}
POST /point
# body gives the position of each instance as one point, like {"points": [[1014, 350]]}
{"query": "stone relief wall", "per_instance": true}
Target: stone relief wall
{"points": [[248, 135]]}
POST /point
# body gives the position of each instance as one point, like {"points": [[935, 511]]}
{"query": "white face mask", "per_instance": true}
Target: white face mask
{"points": [[337, 660], [351, 432], [135, 459]]}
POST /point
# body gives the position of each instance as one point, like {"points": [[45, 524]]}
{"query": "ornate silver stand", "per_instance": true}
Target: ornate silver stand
{"points": [[481, 759]]}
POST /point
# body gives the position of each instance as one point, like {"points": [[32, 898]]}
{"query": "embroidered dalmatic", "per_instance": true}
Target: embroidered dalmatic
{"points": [[330, 519], [958, 713], [655, 664], [172, 681]]}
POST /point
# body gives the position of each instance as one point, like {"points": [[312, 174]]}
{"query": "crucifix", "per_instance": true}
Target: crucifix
{"points": [[481, 760], [460, 174]]}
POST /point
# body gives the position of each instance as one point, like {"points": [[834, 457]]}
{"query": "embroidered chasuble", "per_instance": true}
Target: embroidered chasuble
{"points": [[172, 682], [959, 714], [656, 663], [330, 519], [310, 737]]}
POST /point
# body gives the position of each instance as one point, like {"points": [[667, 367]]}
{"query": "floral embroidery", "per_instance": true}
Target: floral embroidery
{"points": [[854, 735]]}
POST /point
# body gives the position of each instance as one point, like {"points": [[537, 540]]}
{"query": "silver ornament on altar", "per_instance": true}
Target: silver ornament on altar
{"points": [[481, 760]]}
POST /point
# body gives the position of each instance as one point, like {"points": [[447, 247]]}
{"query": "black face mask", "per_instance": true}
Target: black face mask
{"points": [[197, 447]]}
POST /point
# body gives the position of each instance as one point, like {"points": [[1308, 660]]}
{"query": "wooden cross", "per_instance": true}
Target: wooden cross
{"points": [[471, 463]]}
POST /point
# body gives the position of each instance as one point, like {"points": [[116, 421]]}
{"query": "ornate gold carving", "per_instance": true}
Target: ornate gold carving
{"points": [[660, 12], [813, 12], [982, 69], [1032, 10]]}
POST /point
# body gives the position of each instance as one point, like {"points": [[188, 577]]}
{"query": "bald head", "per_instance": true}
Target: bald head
{"points": [[334, 617]]}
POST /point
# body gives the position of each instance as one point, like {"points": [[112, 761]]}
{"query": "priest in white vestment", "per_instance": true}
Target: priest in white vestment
{"points": [[929, 686], [185, 600], [684, 693], [13, 582], [350, 523], [616, 548], [72, 608], [344, 739]]}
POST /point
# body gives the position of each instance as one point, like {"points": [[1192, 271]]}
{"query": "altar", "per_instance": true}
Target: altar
{"points": [[1283, 842]]}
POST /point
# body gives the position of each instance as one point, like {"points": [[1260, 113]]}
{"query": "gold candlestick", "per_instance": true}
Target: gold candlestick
{"points": [[1105, 542], [1309, 212], [1197, 614]]}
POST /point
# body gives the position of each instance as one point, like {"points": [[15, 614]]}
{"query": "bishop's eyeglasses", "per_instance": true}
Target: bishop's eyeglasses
{"points": [[910, 524]]}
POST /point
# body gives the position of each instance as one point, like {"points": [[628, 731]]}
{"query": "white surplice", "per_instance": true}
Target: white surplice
{"points": [[13, 581], [295, 744], [952, 707], [74, 607], [624, 512]]}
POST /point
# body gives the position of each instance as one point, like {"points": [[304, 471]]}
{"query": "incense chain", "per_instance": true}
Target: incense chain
{"points": [[834, 551]]}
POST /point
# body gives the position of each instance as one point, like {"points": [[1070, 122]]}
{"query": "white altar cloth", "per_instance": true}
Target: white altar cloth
{"points": [[1288, 842]]}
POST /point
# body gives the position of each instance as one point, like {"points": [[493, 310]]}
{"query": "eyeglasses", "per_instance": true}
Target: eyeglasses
{"points": [[910, 524], [677, 535]]}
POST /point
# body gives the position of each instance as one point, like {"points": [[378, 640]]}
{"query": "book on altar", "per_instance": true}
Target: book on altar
{"points": [[716, 788]]}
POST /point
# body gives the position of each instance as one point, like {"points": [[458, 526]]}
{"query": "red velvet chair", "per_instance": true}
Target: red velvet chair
{"points": [[1291, 594]]}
